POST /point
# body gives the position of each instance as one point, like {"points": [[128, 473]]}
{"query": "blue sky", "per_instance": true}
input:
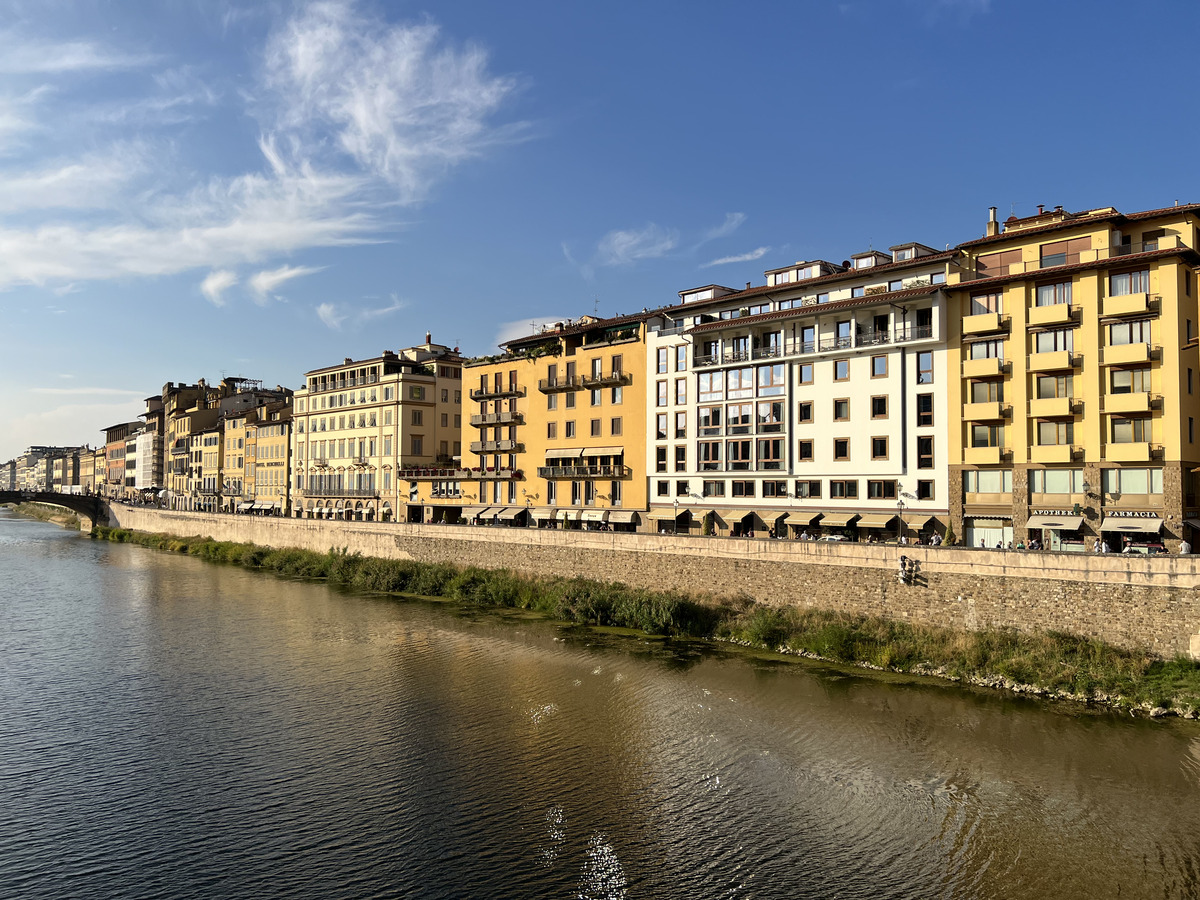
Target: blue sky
{"points": [[191, 189]]}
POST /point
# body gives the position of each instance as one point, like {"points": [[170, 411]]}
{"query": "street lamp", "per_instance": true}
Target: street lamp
{"points": [[900, 513], [675, 521]]}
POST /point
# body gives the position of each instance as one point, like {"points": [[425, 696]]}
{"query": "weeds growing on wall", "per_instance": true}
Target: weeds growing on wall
{"points": [[1052, 661]]}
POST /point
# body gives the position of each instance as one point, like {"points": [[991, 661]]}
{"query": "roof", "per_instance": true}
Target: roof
{"points": [[592, 325], [820, 308], [1076, 220], [1055, 271]]}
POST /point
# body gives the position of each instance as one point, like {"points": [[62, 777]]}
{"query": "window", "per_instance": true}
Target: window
{"points": [[681, 391], [770, 416], [662, 360], [986, 350], [416, 445], [1054, 341], [708, 455], [804, 411], [569, 429], [662, 394], [660, 462], [680, 425], [924, 453], [596, 396], [1049, 387], [1129, 283], [552, 430], [881, 490], [737, 454], [924, 410], [771, 381], [1122, 333], [879, 407], [841, 410], [713, 489], [1131, 481], [1063, 253], [983, 436], [708, 420], [805, 452], [841, 370], [570, 401], [807, 489], [615, 426], [711, 387], [1053, 294], [823, 297], [681, 358], [742, 488], [806, 373], [681, 489], [1054, 433], [663, 488], [739, 384], [1130, 431], [879, 366], [681, 459], [597, 429], [925, 367], [770, 453], [660, 431], [879, 448], [616, 395], [843, 490], [987, 481], [552, 401], [841, 448], [992, 264], [1056, 481], [1189, 379], [924, 490], [416, 393], [739, 418], [992, 302], [774, 489], [857, 291]]}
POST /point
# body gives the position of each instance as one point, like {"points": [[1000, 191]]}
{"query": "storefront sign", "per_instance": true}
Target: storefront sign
{"points": [[1130, 514], [1051, 512]]}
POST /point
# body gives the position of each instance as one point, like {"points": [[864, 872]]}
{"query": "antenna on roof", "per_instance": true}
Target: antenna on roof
{"points": [[532, 326], [595, 306]]}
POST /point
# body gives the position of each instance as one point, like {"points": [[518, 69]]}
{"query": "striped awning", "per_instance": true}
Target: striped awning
{"points": [[542, 512], [470, 512], [1131, 523], [876, 520], [837, 519]]}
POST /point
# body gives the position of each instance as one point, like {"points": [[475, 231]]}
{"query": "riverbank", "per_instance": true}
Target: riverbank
{"points": [[45, 513], [1052, 664]]}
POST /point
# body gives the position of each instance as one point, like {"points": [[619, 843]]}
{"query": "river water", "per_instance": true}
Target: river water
{"points": [[171, 728]]}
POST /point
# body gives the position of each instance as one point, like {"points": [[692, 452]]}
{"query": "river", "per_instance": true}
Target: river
{"points": [[172, 728]]}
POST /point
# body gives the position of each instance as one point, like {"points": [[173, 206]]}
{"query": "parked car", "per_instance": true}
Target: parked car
{"points": [[833, 537]]}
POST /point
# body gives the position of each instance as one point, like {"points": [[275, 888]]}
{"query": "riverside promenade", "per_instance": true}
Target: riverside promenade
{"points": [[1125, 599]]}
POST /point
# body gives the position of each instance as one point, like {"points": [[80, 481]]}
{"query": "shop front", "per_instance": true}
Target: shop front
{"points": [[1139, 530], [1056, 529], [878, 528], [992, 532]]}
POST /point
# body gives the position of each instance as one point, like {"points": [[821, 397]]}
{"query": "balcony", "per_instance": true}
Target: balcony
{"points": [[425, 473], [327, 491], [1127, 305], [1055, 360], [1099, 254], [1050, 407], [497, 447], [583, 472], [502, 473], [982, 412], [862, 340], [1123, 404], [555, 385], [984, 368], [1128, 354], [612, 379], [497, 392], [500, 418], [1053, 453], [985, 456], [1139, 452], [985, 323], [1056, 314]]}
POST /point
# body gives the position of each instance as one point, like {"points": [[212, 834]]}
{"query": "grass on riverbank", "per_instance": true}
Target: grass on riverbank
{"points": [[1054, 662], [46, 513]]}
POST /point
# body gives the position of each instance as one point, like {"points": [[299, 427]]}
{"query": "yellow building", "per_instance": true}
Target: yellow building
{"points": [[558, 434], [1073, 365], [271, 447], [234, 495], [363, 427]]}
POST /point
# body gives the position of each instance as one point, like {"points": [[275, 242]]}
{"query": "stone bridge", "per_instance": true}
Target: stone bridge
{"points": [[90, 509]]}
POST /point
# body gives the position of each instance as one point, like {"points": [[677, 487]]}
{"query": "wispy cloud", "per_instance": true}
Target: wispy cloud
{"points": [[379, 312], [508, 331], [757, 253], [93, 181], [328, 313], [623, 248], [215, 284], [88, 392], [22, 55], [264, 284], [733, 221]]}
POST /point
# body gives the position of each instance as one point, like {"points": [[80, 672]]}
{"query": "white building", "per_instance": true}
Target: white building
{"points": [[813, 403]]}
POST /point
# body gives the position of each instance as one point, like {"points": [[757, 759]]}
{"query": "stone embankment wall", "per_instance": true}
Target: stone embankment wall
{"points": [[1128, 600]]}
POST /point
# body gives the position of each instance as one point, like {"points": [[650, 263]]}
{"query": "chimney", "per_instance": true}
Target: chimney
{"points": [[1041, 208], [428, 338], [747, 285], [993, 225]]}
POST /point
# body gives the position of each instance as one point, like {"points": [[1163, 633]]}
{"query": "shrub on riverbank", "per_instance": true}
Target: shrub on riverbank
{"points": [[1059, 663], [47, 513]]}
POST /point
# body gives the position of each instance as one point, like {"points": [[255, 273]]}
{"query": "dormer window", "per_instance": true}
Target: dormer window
{"points": [[864, 262], [904, 254]]}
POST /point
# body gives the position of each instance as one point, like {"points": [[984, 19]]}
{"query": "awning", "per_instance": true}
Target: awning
{"points": [[595, 515], [565, 515], [802, 516], [245, 506], [564, 452], [1194, 523], [734, 515], [1131, 523], [542, 512], [623, 517], [1070, 523], [470, 512], [876, 520], [837, 519], [510, 514], [918, 521], [603, 451]]}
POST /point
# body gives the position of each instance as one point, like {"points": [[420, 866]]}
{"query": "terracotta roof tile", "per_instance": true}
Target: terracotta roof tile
{"points": [[1078, 220], [1112, 261], [817, 309]]}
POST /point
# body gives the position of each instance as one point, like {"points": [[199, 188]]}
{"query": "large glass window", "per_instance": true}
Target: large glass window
{"points": [[988, 481], [1049, 387], [1053, 433], [737, 454], [987, 303], [739, 418], [1053, 294], [1130, 431], [739, 383], [712, 386], [1131, 481], [1137, 332], [987, 435], [1129, 381], [709, 419], [1053, 341], [770, 453], [770, 416], [1129, 283], [771, 380], [987, 391], [925, 367], [1056, 481], [987, 350], [708, 453]]}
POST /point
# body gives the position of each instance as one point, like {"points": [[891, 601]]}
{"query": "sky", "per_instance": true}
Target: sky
{"points": [[197, 189]]}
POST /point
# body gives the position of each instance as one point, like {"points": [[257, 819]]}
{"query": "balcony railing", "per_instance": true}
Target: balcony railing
{"points": [[583, 472], [497, 447], [1167, 242], [492, 474], [562, 383], [870, 338], [425, 473], [611, 379], [341, 492], [500, 418], [497, 393]]}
